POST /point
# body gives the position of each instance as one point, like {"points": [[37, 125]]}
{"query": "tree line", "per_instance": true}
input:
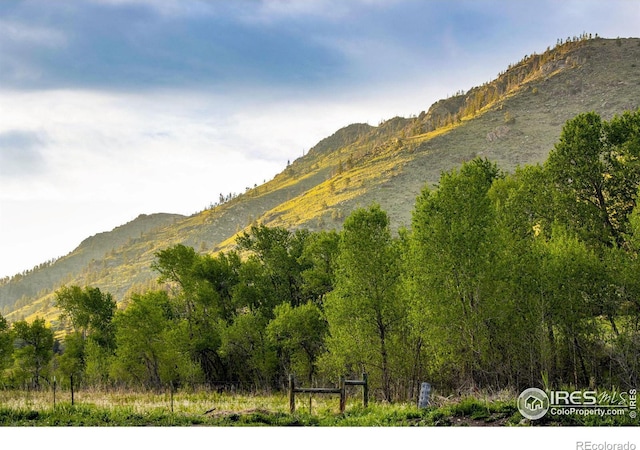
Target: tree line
{"points": [[502, 281]]}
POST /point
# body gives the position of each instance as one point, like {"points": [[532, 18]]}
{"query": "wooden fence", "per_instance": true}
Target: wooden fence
{"points": [[341, 389]]}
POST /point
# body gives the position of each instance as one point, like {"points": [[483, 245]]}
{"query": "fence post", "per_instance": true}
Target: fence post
{"points": [[171, 394], [292, 394], [425, 391], [343, 395], [365, 389], [54, 392], [72, 402]]}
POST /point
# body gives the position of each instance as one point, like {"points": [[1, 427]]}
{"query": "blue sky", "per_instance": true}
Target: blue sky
{"points": [[113, 108]]}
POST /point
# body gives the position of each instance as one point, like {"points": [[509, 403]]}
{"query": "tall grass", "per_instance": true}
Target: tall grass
{"points": [[202, 408]]}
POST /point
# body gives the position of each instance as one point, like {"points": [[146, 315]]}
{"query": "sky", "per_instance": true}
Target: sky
{"points": [[114, 108]]}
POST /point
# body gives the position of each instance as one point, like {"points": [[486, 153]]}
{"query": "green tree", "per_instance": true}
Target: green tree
{"points": [[90, 312], [6, 346], [217, 278], [319, 256], [567, 300], [254, 289], [73, 359], [175, 266], [152, 343], [571, 273], [92, 342], [33, 350], [523, 202], [299, 334], [623, 268], [452, 259], [279, 252], [203, 289], [95, 361], [523, 224], [248, 353], [595, 168], [365, 313]]}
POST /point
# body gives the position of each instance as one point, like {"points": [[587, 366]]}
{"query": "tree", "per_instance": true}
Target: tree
{"points": [[152, 343], [319, 255], [450, 267], [34, 350], [571, 273], [279, 251], [6, 345], [175, 265], [623, 267], [596, 170], [203, 289], [247, 351], [218, 277], [92, 342], [365, 313], [72, 363], [524, 220], [90, 312], [299, 334]]}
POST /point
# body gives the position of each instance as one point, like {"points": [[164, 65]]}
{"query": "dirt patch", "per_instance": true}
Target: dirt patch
{"points": [[228, 413], [487, 422]]}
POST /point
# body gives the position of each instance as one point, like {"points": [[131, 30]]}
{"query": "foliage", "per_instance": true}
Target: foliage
{"points": [[90, 312], [92, 342], [299, 334], [319, 254], [6, 346], [279, 252], [453, 256], [151, 343], [365, 311], [33, 352], [72, 362], [202, 287], [596, 167], [247, 351]]}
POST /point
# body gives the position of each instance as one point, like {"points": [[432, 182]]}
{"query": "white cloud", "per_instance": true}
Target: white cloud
{"points": [[23, 33], [20, 153], [167, 7], [268, 12], [100, 144], [277, 11]]}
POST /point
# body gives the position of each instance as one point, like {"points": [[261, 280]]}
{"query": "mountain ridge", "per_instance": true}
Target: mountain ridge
{"points": [[513, 120], [94, 247]]}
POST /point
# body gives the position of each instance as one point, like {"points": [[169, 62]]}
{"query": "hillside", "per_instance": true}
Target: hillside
{"points": [[513, 120], [37, 282]]}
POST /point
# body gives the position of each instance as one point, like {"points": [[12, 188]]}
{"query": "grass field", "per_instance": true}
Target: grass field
{"points": [[127, 408]]}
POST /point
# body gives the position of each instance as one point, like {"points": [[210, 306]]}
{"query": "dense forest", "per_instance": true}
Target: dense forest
{"points": [[527, 279]]}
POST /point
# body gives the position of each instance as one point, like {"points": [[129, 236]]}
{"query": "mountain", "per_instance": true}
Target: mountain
{"points": [[513, 120], [22, 288]]}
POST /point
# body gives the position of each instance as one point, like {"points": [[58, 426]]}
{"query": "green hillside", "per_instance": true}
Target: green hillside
{"points": [[512, 120], [90, 257]]}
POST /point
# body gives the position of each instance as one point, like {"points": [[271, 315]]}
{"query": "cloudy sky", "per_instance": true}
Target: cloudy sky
{"points": [[113, 108]]}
